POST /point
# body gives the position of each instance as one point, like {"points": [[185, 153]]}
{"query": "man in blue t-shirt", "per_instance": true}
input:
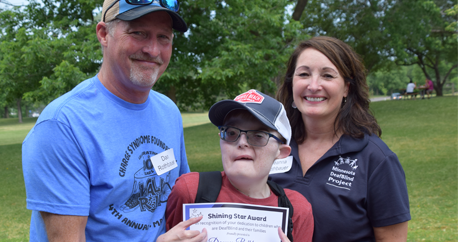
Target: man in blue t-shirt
{"points": [[102, 159]]}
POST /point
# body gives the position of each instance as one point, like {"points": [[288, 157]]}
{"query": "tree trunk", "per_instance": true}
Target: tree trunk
{"points": [[19, 110], [172, 94], [439, 83], [7, 113], [299, 9], [438, 88], [297, 13]]}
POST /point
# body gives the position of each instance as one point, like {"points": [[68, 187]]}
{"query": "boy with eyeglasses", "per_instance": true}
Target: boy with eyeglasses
{"points": [[254, 131]]}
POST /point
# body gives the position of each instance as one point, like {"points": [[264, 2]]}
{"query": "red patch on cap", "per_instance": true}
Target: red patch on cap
{"points": [[249, 97]]}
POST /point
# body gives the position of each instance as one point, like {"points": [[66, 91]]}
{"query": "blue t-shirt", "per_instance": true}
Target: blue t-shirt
{"points": [[89, 155], [356, 185]]}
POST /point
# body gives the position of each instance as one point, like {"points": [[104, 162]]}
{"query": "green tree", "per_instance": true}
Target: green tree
{"points": [[394, 78], [407, 32], [357, 23], [230, 46], [15, 76], [424, 33], [452, 26], [46, 49]]}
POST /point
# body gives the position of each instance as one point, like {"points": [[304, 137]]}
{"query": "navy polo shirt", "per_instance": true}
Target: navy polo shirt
{"points": [[356, 185]]}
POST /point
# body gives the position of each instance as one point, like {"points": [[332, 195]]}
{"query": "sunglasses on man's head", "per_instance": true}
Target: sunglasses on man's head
{"points": [[169, 4], [172, 5]]}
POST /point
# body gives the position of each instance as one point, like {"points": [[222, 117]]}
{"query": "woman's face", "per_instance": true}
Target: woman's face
{"points": [[318, 87]]}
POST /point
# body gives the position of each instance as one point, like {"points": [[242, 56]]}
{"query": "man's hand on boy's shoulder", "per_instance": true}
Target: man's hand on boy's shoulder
{"points": [[179, 232]]}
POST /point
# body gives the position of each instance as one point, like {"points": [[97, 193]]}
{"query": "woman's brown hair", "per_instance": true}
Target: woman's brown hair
{"points": [[354, 118]]}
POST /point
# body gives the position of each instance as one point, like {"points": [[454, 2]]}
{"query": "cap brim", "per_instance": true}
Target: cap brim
{"points": [[178, 23], [219, 111]]}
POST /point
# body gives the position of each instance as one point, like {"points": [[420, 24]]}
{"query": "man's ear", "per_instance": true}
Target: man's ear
{"points": [[102, 33], [285, 150]]}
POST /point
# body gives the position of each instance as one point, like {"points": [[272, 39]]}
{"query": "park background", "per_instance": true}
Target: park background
{"points": [[48, 47]]}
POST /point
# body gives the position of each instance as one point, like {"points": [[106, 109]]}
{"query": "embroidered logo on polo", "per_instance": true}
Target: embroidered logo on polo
{"points": [[149, 190], [342, 173]]}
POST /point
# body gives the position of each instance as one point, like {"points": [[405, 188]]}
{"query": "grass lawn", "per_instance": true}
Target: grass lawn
{"points": [[423, 133], [15, 218], [194, 119]]}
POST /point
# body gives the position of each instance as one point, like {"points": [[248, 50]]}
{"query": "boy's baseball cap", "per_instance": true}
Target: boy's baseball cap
{"points": [[121, 9], [265, 108]]}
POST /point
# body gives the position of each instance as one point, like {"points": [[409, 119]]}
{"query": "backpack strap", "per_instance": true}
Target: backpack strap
{"points": [[209, 186], [283, 201]]}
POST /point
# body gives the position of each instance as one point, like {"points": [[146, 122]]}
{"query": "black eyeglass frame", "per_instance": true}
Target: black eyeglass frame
{"points": [[246, 133], [152, 1]]}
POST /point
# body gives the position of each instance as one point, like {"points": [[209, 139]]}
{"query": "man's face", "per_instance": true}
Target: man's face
{"points": [[139, 51]]}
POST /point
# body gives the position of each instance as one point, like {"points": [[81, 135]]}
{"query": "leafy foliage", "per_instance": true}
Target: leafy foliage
{"points": [[395, 79], [230, 45], [408, 32], [431, 43], [358, 23], [46, 49], [452, 25]]}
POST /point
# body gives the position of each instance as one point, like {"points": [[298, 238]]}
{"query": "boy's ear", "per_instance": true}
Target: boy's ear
{"points": [[285, 150]]}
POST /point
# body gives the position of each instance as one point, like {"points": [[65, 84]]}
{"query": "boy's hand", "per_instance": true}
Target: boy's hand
{"points": [[282, 235], [179, 232]]}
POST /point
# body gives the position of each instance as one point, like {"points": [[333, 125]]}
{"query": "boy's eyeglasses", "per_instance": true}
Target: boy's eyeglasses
{"points": [[256, 138], [173, 5]]}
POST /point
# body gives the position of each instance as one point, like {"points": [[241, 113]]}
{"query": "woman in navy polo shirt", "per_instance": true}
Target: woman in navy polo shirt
{"points": [[354, 182]]}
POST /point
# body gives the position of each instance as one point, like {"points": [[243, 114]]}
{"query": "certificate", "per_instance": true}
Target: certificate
{"points": [[237, 222]]}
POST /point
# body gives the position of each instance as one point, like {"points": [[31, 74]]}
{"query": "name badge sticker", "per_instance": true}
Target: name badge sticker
{"points": [[164, 162], [282, 165]]}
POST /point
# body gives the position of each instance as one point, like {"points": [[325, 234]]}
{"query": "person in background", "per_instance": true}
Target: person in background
{"points": [[429, 87], [354, 182], [410, 88], [254, 131], [90, 163]]}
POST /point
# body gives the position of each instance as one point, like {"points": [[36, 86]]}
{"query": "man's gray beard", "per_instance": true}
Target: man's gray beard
{"points": [[137, 77]]}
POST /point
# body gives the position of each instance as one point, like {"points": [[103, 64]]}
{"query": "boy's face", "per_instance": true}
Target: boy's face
{"points": [[243, 161]]}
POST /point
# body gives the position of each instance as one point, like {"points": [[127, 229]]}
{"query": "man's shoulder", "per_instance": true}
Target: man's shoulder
{"points": [[55, 106], [157, 96], [162, 100]]}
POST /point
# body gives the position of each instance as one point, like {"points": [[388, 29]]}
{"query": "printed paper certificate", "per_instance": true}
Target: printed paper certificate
{"points": [[237, 222]]}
